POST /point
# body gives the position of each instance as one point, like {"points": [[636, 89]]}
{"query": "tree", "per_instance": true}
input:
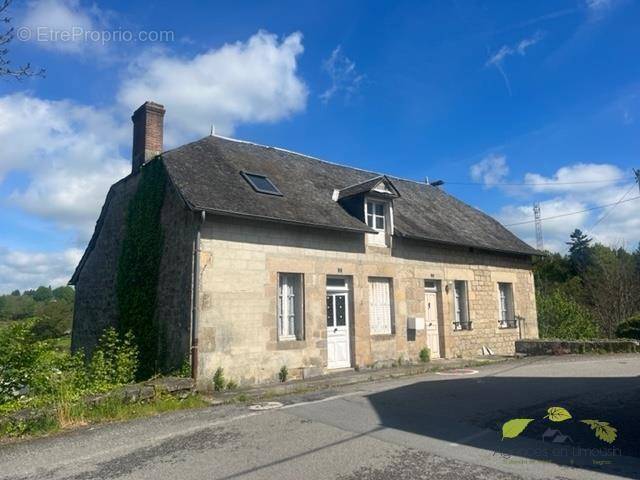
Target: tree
{"points": [[15, 293], [579, 249], [53, 320], [561, 317], [550, 271], [64, 294], [17, 308], [43, 294], [612, 286], [629, 328], [6, 37]]}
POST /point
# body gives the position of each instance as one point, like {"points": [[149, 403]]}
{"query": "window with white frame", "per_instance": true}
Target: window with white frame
{"points": [[505, 305], [461, 306], [290, 306], [375, 213], [380, 316], [377, 219]]}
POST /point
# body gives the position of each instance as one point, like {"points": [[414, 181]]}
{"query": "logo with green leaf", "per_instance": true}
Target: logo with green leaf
{"points": [[602, 430]]}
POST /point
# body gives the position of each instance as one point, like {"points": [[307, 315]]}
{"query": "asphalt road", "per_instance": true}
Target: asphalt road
{"points": [[427, 427]]}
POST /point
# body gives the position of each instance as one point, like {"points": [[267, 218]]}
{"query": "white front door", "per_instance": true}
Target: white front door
{"points": [[338, 351], [431, 321]]}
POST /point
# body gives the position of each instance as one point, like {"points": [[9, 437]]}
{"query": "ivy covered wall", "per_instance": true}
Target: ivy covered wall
{"points": [[139, 266]]}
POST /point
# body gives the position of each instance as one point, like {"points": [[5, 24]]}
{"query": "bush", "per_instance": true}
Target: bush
{"points": [[561, 317], [231, 385], [218, 380], [35, 373], [629, 328], [114, 361], [185, 369], [283, 373], [425, 355]]}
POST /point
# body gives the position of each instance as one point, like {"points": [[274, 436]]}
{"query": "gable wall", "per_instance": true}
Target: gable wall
{"points": [[96, 304], [240, 260]]}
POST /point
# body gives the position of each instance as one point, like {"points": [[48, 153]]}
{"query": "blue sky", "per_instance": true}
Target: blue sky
{"points": [[484, 92]]}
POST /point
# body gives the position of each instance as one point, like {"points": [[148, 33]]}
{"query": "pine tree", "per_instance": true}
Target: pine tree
{"points": [[579, 250]]}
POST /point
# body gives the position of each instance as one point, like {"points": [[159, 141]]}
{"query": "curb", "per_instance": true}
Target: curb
{"points": [[343, 379]]}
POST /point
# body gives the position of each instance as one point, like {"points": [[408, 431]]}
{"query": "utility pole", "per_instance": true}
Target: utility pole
{"points": [[538, 219]]}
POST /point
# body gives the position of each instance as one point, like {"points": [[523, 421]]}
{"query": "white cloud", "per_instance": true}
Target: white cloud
{"points": [[554, 231], [343, 74], [490, 170], [69, 152], [28, 269], [614, 225], [243, 82], [519, 48], [497, 59], [63, 25], [598, 5], [577, 179]]}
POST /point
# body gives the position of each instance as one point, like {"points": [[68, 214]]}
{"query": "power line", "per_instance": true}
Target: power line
{"points": [[485, 184], [575, 213], [606, 214]]}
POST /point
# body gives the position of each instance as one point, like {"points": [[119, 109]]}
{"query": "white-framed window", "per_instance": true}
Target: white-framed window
{"points": [[506, 313], [290, 306], [375, 214], [380, 308], [461, 306]]}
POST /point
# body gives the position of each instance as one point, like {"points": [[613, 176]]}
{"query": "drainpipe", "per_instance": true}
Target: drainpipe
{"points": [[196, 298]]}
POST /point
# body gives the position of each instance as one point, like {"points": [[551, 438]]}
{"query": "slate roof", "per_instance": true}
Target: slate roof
{"points": [[207, 173], [366, 186]]}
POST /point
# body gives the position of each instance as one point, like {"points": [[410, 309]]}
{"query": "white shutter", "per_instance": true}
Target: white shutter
{"points": [[379, 306]]}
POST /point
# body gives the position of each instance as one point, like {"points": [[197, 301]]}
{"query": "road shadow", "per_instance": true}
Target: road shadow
{"points": [[472, 410]]}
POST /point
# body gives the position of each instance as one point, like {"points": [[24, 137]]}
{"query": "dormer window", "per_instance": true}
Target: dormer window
{"points": [[373, 198], [375, 213]]}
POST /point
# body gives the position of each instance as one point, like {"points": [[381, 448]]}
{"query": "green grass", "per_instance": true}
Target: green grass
{"points": [[68, 416], [115, 410]]}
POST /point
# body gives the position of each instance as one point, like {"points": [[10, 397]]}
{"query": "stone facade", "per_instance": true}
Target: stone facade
{"points": [[239, 265], [96, 304], [240, 261]]}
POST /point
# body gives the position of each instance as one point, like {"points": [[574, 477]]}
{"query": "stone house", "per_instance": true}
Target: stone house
{"points": [[273, 258]]}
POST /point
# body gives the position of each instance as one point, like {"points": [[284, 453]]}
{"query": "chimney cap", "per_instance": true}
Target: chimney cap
{"points": [[149, 106]]}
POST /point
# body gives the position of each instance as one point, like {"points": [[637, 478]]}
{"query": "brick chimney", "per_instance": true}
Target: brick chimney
{"points": [[147, 133]]}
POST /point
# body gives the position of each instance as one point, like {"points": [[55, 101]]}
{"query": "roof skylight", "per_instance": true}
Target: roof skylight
{"points": [[261, 183]]}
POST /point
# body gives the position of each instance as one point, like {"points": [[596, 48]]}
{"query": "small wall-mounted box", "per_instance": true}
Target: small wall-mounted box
{"points": [[415, 323]]}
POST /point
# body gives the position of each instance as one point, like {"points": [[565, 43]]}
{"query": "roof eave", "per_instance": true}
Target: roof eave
{"points": [[227, 213], [533, 253]]}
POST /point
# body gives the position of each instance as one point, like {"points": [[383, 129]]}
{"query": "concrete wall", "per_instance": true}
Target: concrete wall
{"points": [[240, 260]]}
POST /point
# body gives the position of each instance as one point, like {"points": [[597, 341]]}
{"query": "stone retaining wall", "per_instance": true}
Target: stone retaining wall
{"points": [[564, 347]]}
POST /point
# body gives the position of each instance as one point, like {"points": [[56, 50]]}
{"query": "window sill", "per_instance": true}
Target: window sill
{"points": [[293, 344], [458, 328], [382, 336]]}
